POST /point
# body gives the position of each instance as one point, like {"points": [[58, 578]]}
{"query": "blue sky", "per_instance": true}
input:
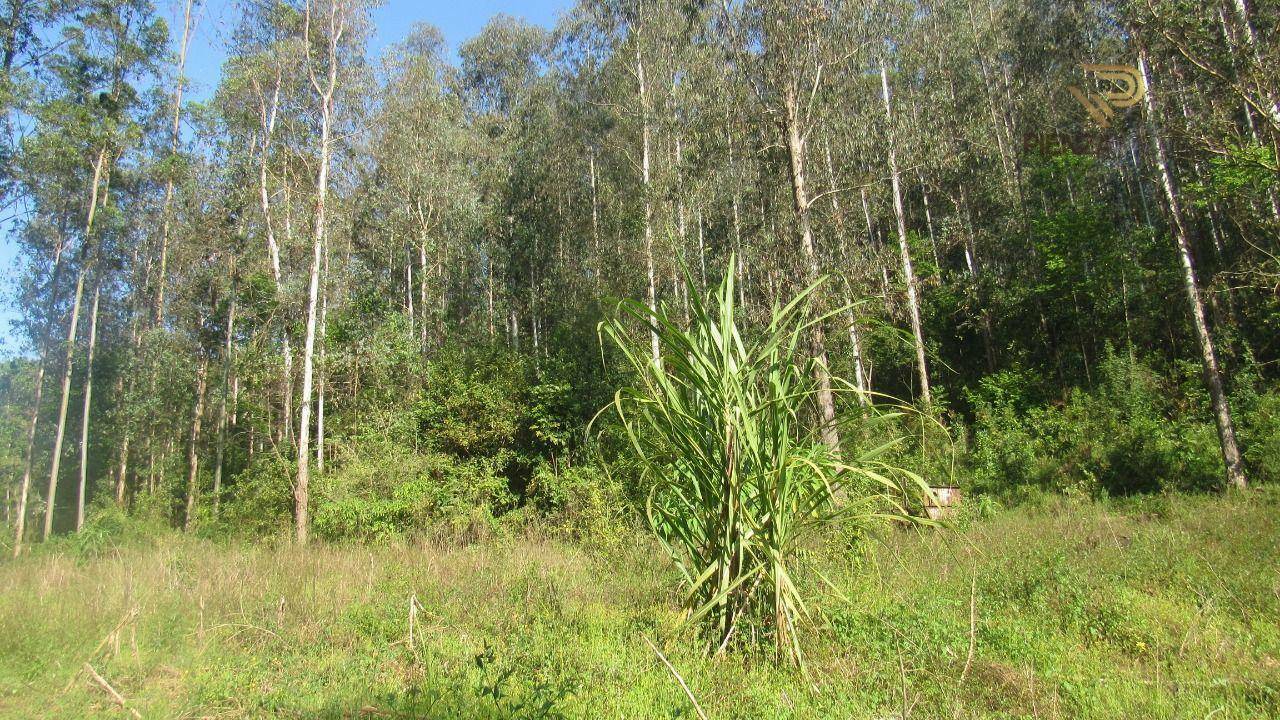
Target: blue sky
{"points": [[458, 19]]}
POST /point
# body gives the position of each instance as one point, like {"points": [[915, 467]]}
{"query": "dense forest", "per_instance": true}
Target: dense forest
{"points": [[716, 359], [360, 296]]}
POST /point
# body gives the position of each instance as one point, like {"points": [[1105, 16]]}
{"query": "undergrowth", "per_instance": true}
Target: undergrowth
{"points": [[1137, 608]]}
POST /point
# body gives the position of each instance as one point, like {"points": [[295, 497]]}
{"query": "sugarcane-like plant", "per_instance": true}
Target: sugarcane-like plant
{"points": [[725, 429]]}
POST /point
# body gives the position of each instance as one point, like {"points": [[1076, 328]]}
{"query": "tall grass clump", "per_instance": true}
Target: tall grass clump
{"points": [[725, 430]]}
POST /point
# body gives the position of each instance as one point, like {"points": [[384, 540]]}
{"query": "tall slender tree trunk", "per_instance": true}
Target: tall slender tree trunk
{"points": [[286, 414], [855, 335], [928, 220], [24, 491], [325, 92], [736, 215], [55, 463], [422, 289], [408, 295], [175, 137], [321, 374], [974, 264], [1208, 356], [595, 216], [651, 298], [88, 398], [99, 177], [904, 248], [795, 141], [268, 112], [227, 362], [193, 447], [489, 292], [137, 311]]}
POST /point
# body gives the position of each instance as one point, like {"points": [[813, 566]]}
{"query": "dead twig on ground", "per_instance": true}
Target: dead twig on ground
{"points": [[973, 625], [674, 673], [117, 697]]}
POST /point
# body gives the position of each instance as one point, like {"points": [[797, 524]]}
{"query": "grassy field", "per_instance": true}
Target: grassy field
{"points": [[1167, 608]]}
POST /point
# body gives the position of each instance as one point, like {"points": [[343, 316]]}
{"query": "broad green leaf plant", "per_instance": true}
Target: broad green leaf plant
{"points": [[726, 431]]}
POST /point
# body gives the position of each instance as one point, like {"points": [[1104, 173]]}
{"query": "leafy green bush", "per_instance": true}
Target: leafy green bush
{"points": [[108, 528], [260, 498], [393, 491], [1260, 437], [1134, 433], [581, 502], [472, 404]]}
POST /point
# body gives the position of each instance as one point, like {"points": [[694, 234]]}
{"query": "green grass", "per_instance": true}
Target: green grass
{"points": [[1166, 608]]}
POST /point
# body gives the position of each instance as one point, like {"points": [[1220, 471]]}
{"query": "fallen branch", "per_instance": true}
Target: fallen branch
{"points": [[679, 679], [102, 683], [130, 615], [973, 625]]}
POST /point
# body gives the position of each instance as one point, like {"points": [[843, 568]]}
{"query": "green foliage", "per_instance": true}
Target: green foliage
{"points": [[260, 499], [473, 404], [1260, 435], [108, 530], [392, 490], [739, 478], [1135, 432], [581, 502], [1247, 170]]}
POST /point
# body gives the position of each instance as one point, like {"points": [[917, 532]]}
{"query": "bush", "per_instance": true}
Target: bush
{"points": [[582, 502], [108, 528], [260, 498], [1134, 433], [1260, 436], [473, 405], [394, 491]]}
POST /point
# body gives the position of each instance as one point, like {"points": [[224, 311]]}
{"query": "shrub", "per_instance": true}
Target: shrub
{"points": [[472, 405], [581, 502], [393, 490], [259, 500], [1260, 437], [108, 528], [1134, 433]]}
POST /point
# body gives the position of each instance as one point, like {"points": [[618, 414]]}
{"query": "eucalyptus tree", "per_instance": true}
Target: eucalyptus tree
{"points": [[333, 34], [785, 54], [87, 121], [262, 101], [1179, 227], [175, 140], [420, 148], [499, 68], [904, 246]]}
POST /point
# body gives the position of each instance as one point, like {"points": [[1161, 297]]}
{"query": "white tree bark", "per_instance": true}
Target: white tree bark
{"points": [[88, 399], [95, 192], [796, 148], [193, 447], [55, 464], [175, 136], [321, 377], [1208, 356], [325, 89], [908, 272], [24, 491], [651, 298], [855, 335], [227, 361]]}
